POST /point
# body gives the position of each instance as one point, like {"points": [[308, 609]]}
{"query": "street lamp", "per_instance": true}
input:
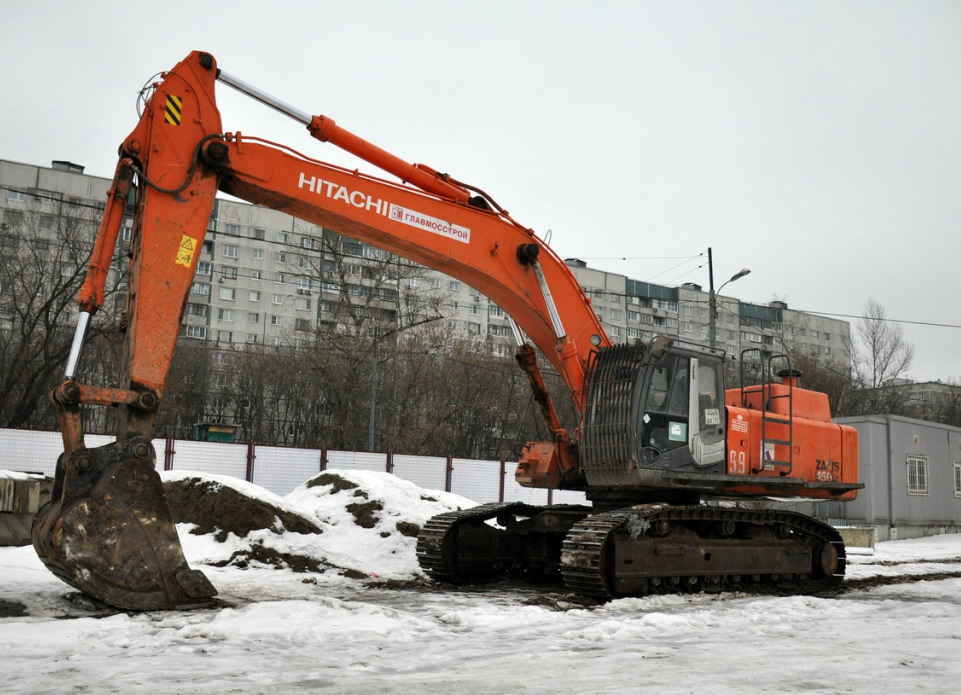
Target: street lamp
{"points": [[712, 329]]}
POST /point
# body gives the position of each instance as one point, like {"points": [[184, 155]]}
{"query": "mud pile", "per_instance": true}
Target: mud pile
{"points": [[354, 523]]}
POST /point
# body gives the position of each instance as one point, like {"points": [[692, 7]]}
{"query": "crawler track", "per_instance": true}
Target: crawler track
{"points": [[657, 548], [635, 551], [526, 542]]}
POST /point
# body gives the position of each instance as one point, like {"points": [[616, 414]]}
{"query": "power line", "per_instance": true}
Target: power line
{"points": [[632, 258], [885, 319]]}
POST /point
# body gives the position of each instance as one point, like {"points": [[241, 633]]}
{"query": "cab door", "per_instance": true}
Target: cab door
{"points": [[706, 408]]}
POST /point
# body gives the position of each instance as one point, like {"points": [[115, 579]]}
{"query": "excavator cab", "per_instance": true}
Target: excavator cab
{"points": [[656, 405], [681, 408]]}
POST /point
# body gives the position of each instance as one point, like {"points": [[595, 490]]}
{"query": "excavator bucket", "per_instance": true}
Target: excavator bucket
{"points": [[108, 531]]}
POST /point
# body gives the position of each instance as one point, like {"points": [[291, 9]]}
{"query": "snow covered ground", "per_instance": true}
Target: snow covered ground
{"points": [[893, 632]]}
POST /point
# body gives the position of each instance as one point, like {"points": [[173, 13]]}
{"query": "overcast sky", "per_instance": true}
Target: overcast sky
{"points": [[817, 143]]}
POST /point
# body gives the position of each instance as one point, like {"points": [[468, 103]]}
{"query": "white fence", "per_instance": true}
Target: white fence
{"points": [[281, 469]]}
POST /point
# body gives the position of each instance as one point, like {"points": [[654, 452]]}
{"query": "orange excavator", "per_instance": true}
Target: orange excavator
{"points": [[658, 434]]}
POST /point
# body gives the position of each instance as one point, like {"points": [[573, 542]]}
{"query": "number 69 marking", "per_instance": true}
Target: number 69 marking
{"points": [[737, 463]]}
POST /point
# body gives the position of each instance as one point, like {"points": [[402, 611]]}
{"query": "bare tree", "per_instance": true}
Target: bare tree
{"points": [[189, 396], [881, 351], [44, 251], [881, 355]]}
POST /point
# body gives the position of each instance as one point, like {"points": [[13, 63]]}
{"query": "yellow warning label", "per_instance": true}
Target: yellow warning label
{"points": [[173, 109], [185, 254]]}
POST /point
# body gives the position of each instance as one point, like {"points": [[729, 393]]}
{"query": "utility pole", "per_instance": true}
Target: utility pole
{"points": [[372, 422], [712, 301], [712, 297]]}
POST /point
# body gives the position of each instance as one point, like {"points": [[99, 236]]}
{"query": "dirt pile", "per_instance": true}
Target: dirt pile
{"points": [[212, 508], [217, 509], [355, 523]]}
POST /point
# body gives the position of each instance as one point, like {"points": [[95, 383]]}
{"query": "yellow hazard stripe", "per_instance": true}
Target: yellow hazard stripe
{"points": [[173, 109]]}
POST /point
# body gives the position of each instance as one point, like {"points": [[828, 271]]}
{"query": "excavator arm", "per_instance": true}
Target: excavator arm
{"points": [[111, 497]]}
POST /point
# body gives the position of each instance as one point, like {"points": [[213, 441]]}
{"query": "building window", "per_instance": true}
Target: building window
{"points": [[957, 478], [253, 317], [282, 237], [232, 229], [256, 275], [258, 254], [197, 310], [275, 320], [452, 306], [200, 288], [231, 251], [259, 233], [495, 311], [307, 242], [229, 272], [17, 196], [302, 324], [303, 303], [279, 277], [917, 475], [453, 285], [254, 296], [224, 336], [228, 293], [413, 282], [277, 298], [199, 332], [204, 267], [225, 314]]}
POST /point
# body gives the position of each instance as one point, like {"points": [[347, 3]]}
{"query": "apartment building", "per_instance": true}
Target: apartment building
{"points": [[632, 309], [265, 277]]}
